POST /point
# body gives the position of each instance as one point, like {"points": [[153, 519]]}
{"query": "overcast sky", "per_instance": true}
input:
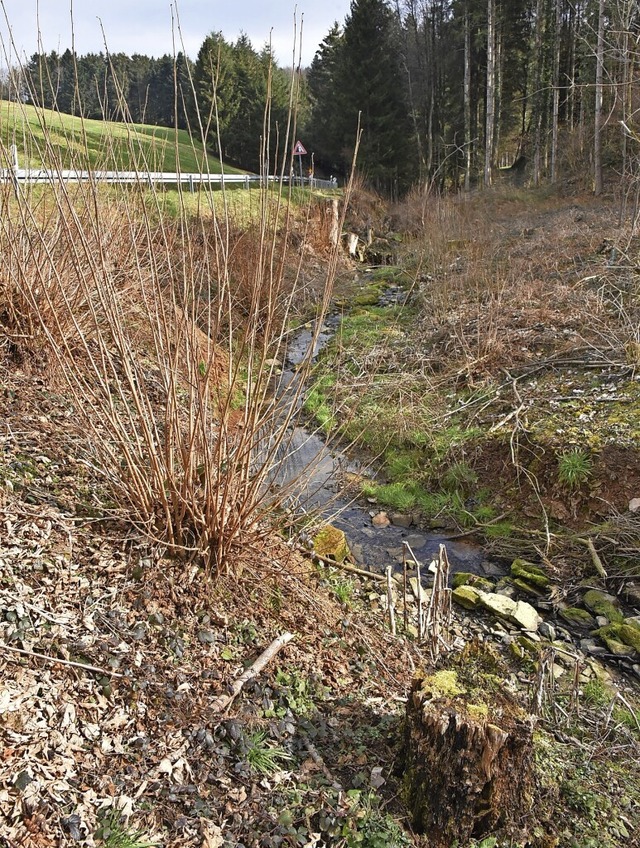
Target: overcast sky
{"points": [[145, 26]]}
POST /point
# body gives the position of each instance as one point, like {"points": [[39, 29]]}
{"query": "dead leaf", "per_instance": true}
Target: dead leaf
{"points": [[211, 834]]}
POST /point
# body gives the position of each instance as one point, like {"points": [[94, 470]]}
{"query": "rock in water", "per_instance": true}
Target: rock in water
{"points": [[468, 753]]}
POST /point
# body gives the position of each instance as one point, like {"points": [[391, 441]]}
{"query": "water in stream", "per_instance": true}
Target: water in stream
{"points": [[317, 471]]}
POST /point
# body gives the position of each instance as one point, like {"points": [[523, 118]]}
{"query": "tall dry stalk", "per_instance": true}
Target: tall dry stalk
{"points": [[168, 331]]}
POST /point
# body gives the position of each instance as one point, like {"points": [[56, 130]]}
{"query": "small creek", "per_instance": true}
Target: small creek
{"points": [[318, 469]]}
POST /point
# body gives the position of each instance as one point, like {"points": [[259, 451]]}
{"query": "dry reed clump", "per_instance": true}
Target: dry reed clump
{"points": [[167, 331]]}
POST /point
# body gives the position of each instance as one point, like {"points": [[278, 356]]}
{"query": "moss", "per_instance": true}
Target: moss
{"points": [[530, 573], [601, 604], [478, 710], [331, 542], [442, 684], [467, 578], [578, 617], [466, 596]]}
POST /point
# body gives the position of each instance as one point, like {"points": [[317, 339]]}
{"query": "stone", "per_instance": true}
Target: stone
{"points": [[630, 635], [331, 542], [619, 649], [631, 593], [634, 505], [381, 519], [601, 603], [467, 578], [519, 612], [578, 618], [466, 597], [415, 541], [530, 573], [526, 616], [547, 630], [526, 588], [401, 519]]}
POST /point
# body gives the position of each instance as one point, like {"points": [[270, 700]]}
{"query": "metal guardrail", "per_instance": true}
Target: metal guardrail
{"points": [[35, 176]]}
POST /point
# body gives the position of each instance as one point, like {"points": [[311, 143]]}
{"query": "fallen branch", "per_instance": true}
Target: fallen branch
{"points": [[223, 701], [352, 569], [597, 562], [317, 759], [107, 672]]}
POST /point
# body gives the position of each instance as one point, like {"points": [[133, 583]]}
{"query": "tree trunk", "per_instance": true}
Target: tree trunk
{"points": [[467, 98], [556, 91], [538, 96], [491, 92], [597, 135], [468, 757]]}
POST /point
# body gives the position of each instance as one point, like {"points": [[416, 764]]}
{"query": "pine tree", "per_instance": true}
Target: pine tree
{"points": [[371, 95]]}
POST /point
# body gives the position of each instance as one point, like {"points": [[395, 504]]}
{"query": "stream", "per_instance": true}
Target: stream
{"points": [[316, 471]]}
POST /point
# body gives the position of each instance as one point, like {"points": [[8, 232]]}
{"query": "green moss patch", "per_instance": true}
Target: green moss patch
{"points": [[332, 543], [530, 573], [602, 604]]}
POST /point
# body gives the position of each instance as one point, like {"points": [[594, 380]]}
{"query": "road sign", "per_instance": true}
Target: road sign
{"points": [[299, 150]]}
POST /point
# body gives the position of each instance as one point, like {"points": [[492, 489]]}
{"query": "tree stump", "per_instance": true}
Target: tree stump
{"points": [[467, 753]]}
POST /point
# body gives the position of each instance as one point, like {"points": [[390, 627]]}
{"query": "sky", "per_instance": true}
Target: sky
{"points": [[145, 26]]}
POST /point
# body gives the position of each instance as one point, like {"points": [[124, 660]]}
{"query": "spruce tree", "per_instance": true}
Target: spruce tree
{"points": [[371, 89]]}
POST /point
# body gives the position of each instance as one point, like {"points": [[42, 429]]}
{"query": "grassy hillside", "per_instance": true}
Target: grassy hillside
{"points": [[73, 141]]}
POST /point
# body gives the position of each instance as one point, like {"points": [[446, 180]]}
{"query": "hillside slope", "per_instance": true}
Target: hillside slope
{"points": [[73, 141]]}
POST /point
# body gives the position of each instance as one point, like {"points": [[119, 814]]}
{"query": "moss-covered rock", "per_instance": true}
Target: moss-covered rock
{"points": [[330, 542], [600, 603], [530, 573], [527, 588], [578, 617], [467, 578], [630, 635], [620, 639], [466, 596]]}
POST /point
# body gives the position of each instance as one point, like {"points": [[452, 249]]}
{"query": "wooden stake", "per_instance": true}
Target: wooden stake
{"points": [[404, 585], [390, 604]]}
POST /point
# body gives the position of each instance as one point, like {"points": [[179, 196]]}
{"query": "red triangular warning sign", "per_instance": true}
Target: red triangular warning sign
{"points": [[299, 150]]}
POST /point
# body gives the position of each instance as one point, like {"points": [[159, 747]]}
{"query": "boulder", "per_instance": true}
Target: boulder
{"points": [[518, 612]]}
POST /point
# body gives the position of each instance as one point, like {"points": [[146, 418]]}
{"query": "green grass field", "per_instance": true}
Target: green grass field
{"points": [[45, 138]]}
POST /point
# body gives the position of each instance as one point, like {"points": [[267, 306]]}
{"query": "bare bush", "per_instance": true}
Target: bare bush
{"points": [[168, 331]]}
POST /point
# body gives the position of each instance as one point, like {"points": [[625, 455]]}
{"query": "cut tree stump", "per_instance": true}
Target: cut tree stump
{"points": [[467, 754]]}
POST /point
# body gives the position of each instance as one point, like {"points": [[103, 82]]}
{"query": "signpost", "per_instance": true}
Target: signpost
{"points": [[299, 151]]}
